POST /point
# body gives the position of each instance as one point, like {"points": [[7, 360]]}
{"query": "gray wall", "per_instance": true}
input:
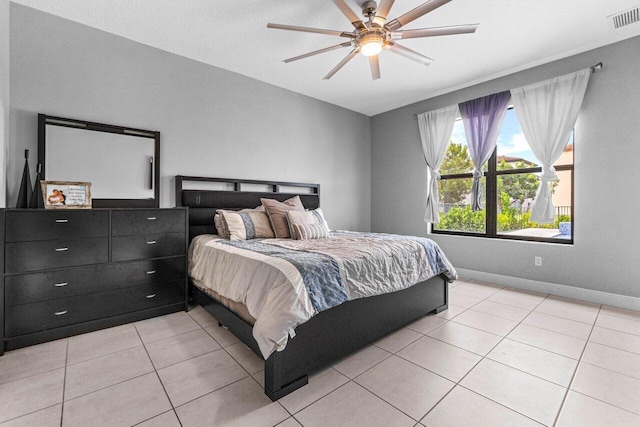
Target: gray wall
{"points": [[607, 176], [4, 95], [213, 122]]}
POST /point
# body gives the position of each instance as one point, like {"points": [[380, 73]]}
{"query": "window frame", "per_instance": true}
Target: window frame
{"points": [[491, 224]]}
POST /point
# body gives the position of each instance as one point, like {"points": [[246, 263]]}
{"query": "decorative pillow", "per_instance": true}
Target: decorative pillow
{"points": [[247, 225], [277, 212], [307, 217], [310, 231], [221, 224]]}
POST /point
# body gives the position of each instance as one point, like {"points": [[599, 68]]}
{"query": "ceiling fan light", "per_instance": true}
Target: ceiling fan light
{"points": [[371, 45]]}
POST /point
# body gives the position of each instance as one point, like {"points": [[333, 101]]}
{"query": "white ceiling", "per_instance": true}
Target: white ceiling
{"points": [[513, 35]]}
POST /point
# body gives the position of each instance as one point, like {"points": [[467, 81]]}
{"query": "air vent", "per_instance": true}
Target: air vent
{"points": [[625, 18]]}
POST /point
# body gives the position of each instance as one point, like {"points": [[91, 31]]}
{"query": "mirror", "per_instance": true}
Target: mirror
{"points": [[121, 163]]}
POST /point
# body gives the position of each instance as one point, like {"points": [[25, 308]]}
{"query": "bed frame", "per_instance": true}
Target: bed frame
{"points": [[326, 337]]}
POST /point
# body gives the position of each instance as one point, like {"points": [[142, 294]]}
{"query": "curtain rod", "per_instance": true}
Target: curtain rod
{"points": [[594, 68], [597, 67]]}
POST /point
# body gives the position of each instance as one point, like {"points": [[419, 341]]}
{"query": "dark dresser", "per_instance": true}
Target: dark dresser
{"points": [[72, 271]]}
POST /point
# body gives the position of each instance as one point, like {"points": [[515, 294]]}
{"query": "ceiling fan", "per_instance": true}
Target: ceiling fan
{"points": [[370, 37]]}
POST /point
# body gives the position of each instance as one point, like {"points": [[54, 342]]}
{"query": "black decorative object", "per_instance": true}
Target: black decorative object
{"points": [[24, 195], [36, 196]]}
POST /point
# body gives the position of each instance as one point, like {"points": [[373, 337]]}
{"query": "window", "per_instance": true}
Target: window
{"points": [[509, 187]]}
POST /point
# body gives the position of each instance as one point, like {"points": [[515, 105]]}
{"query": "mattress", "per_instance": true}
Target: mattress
{"points": [[237, 307], [284, 282]]}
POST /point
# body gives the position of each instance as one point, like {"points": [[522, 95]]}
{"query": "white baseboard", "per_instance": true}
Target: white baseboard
{"points": [[616, 300]]}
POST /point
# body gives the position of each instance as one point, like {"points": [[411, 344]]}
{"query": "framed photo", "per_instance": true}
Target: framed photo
{"points": [[66, 195]]}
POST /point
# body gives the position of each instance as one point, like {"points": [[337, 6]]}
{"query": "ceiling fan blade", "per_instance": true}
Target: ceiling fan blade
{"points": [[384, 7], [374, 63], [316, 52], [350, 14], [341, 64], [383, 12], [311, 30], [408, 53], [415, 14], [436, 31]]}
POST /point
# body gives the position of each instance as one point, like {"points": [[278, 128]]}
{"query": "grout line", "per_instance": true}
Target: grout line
{"points": [[607, 403], [161, 413], [110, 385], [614, 348], [206, 394], [616, 315], [428, 370], [159, 379], [109, 352], [404, 346], [575, 371], [501, 404], [565, 318], [366, 370], [64, 381], [617, 330], [324, 395], [181, 361], [560, 318], [544, 349], [480, 361], [579, 363], [30, 375], [529, 373], [14, 419], [484, 330], [610, 370], [387, 402], [556, 332]]}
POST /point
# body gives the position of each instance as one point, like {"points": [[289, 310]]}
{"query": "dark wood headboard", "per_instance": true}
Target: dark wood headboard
{"points": [[202, 204]]}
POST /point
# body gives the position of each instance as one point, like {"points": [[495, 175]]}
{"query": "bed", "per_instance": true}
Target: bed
{"points": [[329, 335]]}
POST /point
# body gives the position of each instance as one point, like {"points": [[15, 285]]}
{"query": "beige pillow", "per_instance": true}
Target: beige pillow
{"points": [[221, 224], [310, 231], [247, 225], [277, 212], [312, 217], [221, 227]]}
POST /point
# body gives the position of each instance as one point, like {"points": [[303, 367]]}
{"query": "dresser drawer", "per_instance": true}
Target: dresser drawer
{"points": [[36, 287], [153, 221], [31, 256], [26, 226], [127, 248], [40, 316]]}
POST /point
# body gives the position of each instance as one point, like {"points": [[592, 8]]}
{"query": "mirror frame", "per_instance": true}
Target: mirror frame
{"points": [[46, 120]]}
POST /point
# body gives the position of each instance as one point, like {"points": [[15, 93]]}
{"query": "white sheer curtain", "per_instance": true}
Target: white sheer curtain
{"points": [[547, 112], [436, 128]]}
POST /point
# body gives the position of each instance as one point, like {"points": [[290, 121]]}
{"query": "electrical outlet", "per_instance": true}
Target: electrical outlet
{"points": [[538, 261]]}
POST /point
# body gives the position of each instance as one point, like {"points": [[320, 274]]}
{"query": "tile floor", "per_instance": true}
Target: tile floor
{"points": [[497, 357]]}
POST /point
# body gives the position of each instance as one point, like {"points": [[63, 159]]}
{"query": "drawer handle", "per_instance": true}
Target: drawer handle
{"points": [[62, 249], [59, 285], [151, 272], [151, 296], [60, 313], [62, 221], [151, 242], [152, 218]]}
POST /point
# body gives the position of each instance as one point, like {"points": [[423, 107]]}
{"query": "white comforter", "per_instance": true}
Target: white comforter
{"points": [[274, 290]]}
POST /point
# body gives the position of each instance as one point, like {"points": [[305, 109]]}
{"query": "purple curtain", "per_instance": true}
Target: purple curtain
{"points": [[482, 120]]}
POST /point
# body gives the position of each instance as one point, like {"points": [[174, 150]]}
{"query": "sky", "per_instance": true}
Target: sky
{"points": [[511, 141]]}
